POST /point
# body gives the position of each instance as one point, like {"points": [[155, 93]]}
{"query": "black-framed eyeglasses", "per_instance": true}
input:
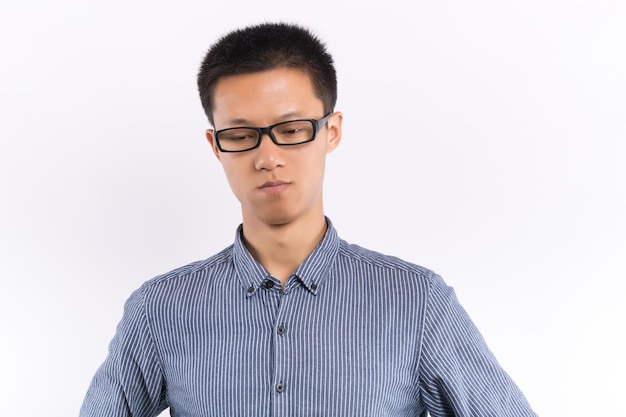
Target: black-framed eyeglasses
{"points": [[289, 133]]}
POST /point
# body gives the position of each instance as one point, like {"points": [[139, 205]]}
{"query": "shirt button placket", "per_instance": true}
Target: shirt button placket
{"points": [[282, 354]]}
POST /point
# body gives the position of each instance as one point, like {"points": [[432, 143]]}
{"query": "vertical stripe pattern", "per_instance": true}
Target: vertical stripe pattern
{"points": [[352, 333]]}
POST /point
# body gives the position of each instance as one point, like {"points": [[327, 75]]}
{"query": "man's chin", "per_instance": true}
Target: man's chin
{"points": [[278, 220], [274, 218]]}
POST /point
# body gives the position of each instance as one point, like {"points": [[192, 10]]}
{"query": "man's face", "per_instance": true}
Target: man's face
{"points": [[275, 184]]}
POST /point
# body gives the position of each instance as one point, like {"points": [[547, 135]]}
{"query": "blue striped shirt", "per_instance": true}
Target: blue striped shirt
{"points": [[353, 333]]}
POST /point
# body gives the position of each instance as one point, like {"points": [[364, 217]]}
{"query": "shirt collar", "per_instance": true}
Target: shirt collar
{"points": [[311, 273]]}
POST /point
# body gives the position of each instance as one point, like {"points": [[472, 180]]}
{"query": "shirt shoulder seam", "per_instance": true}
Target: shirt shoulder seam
{"points": [[383, 261], [190, 269]]}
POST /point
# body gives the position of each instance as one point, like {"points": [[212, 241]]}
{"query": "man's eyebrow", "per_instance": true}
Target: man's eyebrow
{"points": [[238, 122], [296, 114]]}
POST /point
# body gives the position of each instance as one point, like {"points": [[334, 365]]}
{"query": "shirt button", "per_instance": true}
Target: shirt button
{"points": [[313, 287], [268, 284], [280, 387], [281, 329], [250, 290]]}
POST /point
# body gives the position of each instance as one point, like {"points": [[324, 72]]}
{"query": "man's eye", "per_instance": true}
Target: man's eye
{"points": [[291, 131], [237, 136]]}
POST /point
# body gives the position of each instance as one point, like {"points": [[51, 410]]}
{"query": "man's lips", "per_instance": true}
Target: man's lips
{"points": [[274, 187]]}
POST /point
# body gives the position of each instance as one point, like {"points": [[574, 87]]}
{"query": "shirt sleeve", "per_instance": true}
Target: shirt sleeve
{"points": [[459, 376], [130, 382]]}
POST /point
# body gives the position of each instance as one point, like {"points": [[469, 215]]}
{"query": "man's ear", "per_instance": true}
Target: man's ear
{"points": [[210, 136], [334, 131]]}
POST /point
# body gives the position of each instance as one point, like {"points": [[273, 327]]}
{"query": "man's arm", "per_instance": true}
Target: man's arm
{"points": [[459, 375], [130, 382]]}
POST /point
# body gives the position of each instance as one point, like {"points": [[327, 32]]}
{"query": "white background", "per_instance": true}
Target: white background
{"points": [[482, 139]]}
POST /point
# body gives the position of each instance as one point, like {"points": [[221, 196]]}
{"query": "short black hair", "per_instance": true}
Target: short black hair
{"points": [[264, 47]]}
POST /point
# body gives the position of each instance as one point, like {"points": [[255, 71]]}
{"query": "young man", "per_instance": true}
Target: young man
{"points": [[291, 320]]}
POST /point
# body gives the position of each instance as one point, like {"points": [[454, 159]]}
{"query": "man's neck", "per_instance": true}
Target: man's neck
{"points": [[282, 248]]}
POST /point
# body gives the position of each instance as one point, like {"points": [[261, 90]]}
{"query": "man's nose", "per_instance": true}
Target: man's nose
{"points": [[268, 155]]}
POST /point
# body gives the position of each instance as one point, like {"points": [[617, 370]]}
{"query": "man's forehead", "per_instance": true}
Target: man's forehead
{"points": [[265, 97]]}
